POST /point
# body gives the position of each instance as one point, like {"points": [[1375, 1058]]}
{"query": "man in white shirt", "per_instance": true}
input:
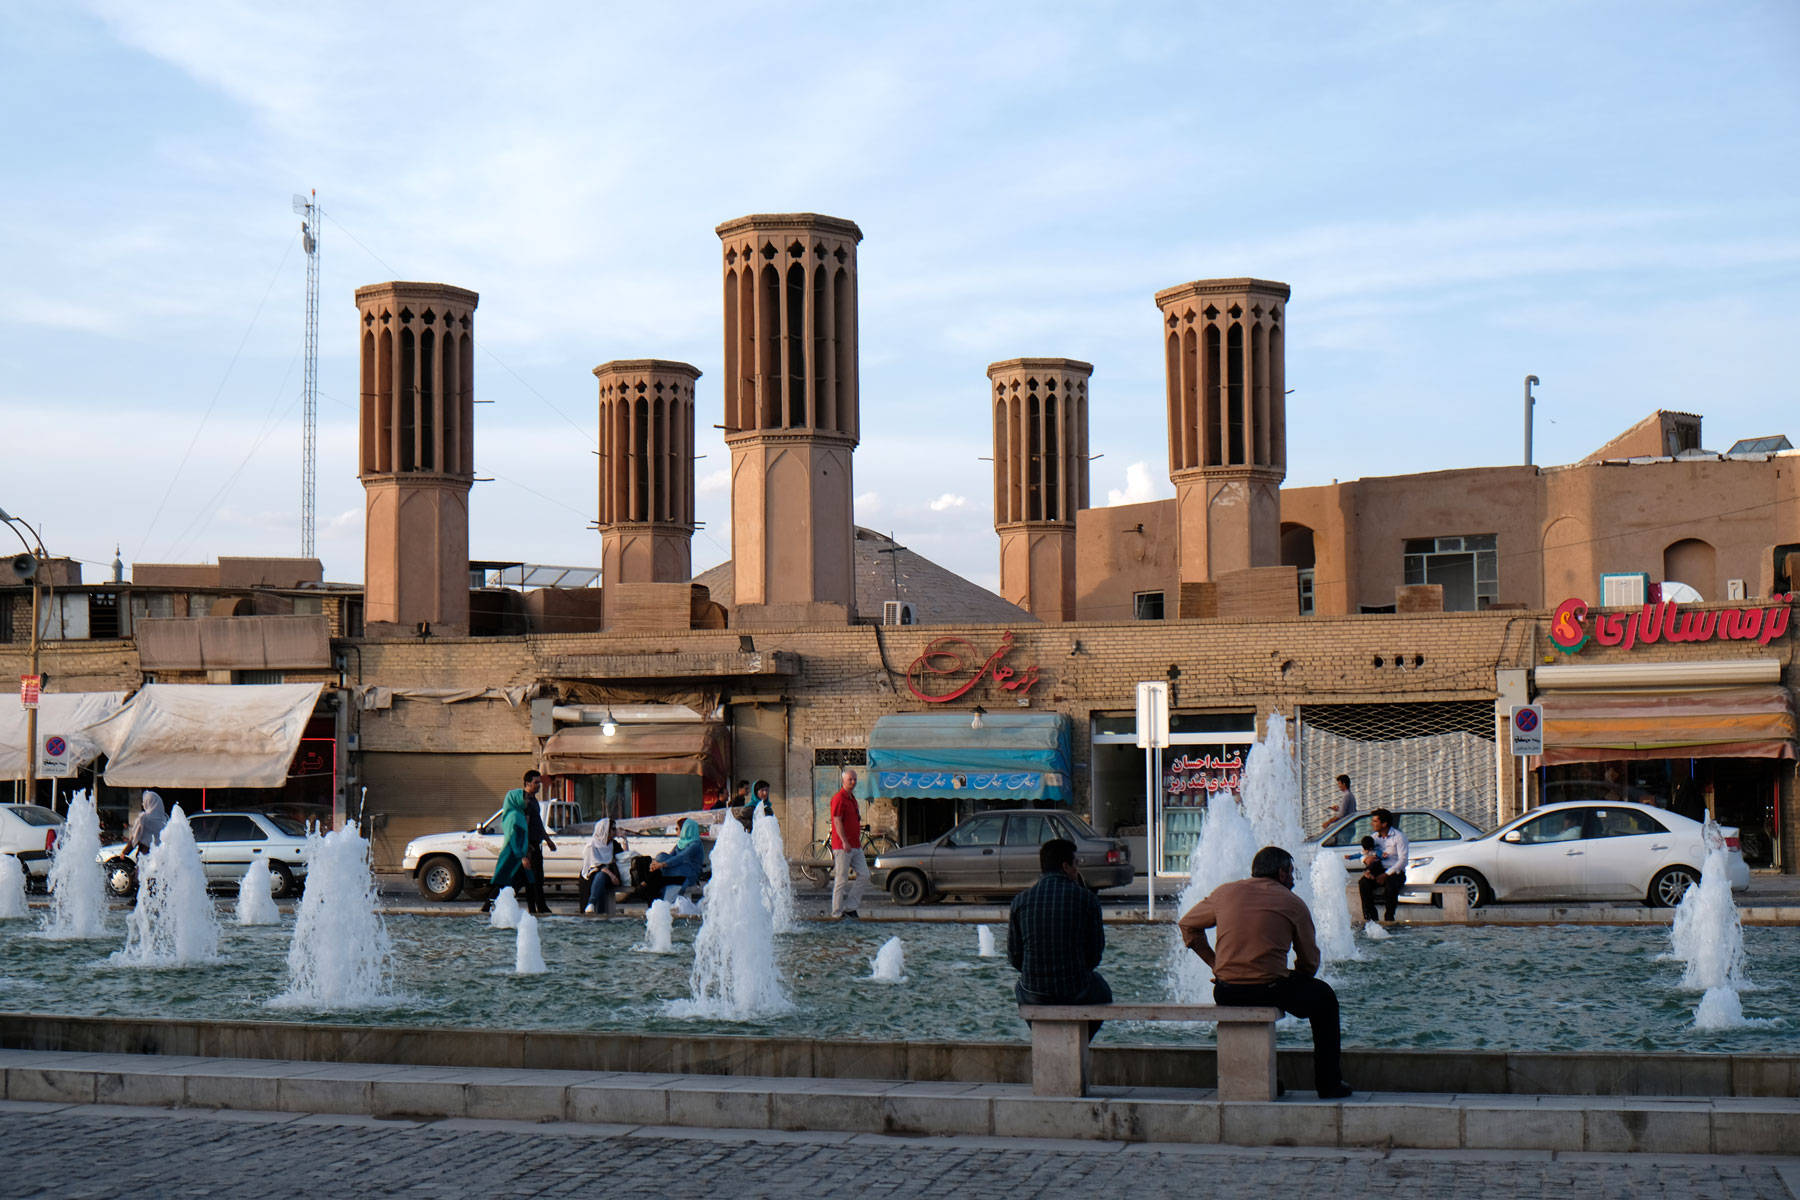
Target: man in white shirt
{"points": [[1385, 885]]}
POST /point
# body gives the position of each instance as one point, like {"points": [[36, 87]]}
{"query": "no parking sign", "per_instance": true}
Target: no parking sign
{"points": [[1527, 729], [54, 762]]}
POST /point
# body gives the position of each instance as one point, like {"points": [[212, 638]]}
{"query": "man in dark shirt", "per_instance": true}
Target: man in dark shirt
{"points": [[536, 838], [1054, 936]]}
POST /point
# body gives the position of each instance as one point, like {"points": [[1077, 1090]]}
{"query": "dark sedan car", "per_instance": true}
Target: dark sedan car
{"points": [[997, 852]]}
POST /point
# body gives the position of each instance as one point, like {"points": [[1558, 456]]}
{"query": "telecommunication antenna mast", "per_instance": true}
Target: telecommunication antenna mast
{"points": [[308, 209]]}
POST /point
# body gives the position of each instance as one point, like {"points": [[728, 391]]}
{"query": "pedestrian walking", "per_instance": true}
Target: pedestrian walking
{"points": [[1346, 802], [846, 850], [536, 837], [512, 867]]}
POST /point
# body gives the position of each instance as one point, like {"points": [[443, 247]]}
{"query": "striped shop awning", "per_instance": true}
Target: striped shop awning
{"points": [[1720, 722]]}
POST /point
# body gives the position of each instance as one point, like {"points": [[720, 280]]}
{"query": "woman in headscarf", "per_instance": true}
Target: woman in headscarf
{"points": [[146, 828], [679, 869], [510, 868], [600, 866]]}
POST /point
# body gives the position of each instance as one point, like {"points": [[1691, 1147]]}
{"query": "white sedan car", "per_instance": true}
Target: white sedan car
{"points": [[1427, 830], [228, 843], [443, 864], [28, 832], [1581, 851]]}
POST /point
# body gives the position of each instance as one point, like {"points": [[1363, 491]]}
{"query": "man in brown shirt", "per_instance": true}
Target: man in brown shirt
{"points": [[1258, 919]]}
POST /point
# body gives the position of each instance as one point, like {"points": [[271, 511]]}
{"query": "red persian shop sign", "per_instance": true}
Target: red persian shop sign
{"points": [[945, 659], [1573, 626]]}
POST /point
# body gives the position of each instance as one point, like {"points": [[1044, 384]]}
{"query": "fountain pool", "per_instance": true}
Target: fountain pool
{"points": [[1493, 987]]}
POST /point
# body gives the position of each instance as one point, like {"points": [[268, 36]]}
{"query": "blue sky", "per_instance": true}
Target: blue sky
{"points": [[1604, 194]]}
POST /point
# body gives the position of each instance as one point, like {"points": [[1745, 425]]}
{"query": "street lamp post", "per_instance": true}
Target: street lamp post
{"points": [[35, 549]]}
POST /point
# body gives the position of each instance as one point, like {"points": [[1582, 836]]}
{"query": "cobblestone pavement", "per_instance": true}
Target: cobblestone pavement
{"points": [[77, 1152]]}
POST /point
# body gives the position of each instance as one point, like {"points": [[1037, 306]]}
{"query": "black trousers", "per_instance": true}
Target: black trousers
{"points": [[1301, 997], [1097, 991], [534, 887], [1385, 890]]}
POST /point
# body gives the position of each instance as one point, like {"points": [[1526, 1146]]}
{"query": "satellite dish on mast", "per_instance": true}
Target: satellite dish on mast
{"points": [[300, 204]]}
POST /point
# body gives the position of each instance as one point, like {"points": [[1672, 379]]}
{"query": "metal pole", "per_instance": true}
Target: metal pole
{"points": [[1150, 757], [31, 714], [1529, 401]]}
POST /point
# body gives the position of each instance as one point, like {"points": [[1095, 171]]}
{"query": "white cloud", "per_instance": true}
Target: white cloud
{"points": [[867, 504], [947, 501], [1140, 486], [714, 482]]}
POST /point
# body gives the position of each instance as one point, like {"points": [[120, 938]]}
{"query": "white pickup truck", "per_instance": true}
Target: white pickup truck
{"points": [[444, 864]]}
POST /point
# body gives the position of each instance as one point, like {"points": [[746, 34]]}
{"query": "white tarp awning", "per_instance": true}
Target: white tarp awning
{"points": [[68, 715], [201, 736]]}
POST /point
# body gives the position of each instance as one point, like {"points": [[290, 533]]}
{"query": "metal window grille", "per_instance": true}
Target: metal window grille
{"points": [[844, 756], [1399, 755]]}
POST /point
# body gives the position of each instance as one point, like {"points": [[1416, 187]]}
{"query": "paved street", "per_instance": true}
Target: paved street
{"points": [[78, 1152]]}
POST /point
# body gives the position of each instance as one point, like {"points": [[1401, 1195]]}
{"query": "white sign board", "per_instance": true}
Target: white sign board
{"points": [[1527, 729], [56, 761], [1153, 716]]}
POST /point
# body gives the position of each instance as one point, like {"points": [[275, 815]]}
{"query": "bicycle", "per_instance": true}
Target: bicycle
{"points": [[818, 869]]}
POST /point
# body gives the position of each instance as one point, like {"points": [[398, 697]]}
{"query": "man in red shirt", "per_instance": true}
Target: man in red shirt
{"points": [[846, 850]]}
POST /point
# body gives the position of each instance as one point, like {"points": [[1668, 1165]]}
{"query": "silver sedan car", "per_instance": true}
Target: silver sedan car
{"points": [[997, 852]]}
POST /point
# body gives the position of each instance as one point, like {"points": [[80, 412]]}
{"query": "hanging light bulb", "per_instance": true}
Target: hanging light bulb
{"points": [[975, 721], [608, 727]]}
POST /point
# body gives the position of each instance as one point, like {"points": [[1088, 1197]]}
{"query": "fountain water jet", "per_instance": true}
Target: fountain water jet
{"points": [[255, 906], [984, 940], [1331, 909], [659, 929], [13, 906], [889, 963], [1222, 853], [340, 956], [174, 923], [77, 881], [506, 911], [528, 959], [734, 976], [1374, 932], [778, 892], [1708, 936]]}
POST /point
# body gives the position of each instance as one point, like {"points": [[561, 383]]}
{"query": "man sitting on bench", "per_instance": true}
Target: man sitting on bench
{"points": [[1258, 919], [1054, 936]]}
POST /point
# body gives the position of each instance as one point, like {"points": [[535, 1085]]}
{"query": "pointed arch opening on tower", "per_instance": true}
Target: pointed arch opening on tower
{"points": [[369, 410], [1215, 401], [768, 339], [794, 325]]}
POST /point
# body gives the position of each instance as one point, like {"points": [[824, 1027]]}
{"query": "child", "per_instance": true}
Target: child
{"points": [[1371, 859]]}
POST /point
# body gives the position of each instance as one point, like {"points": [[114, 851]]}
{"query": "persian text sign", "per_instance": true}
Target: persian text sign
{"points": [[1188, 779], [28, 690], [1573, 626], [962, 781], [946, 659]]}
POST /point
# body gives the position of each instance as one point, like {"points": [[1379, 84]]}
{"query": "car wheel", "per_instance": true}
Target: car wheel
{"points": [[907, 887], [1480, 894], [121, 877], [281, 880], [1670, 885], [440, 878]]}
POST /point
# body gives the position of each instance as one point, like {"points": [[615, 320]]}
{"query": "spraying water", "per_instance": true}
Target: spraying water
{"points": [[659, 929], [341, 956], [1374, 931], [255, 906], [13, 906], [778, 892], [1221, 854], [77, 881], [174, 923], [889, 963], [529, 958], [506, 911], [984, 938], [1709, 937], [1331, 909], [734, 976]]}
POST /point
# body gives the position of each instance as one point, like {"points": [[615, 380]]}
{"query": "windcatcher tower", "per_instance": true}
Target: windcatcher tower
{"points": [[791, 415], [1223, 341], [417, 343], [1040, 478], [646, 471]]}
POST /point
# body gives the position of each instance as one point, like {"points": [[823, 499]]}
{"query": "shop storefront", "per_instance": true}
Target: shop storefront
{"points": [[1205, 757], [937, 768], [632, 765], [1699, 736]]}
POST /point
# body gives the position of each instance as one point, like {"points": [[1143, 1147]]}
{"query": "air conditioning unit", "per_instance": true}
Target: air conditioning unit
{"points": [[898, 612], [1624, 590], [1735, 590]]}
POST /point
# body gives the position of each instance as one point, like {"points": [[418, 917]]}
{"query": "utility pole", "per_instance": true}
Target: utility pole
{"points": [[30, 566], [308, 210]]}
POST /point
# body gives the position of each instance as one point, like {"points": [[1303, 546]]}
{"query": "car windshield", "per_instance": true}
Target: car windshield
{"points": [[33, 814], [287, 825]]}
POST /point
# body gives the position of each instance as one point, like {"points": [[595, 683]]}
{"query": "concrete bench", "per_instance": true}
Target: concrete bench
{"points": [[1455, 896], [1059, 1044]]}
